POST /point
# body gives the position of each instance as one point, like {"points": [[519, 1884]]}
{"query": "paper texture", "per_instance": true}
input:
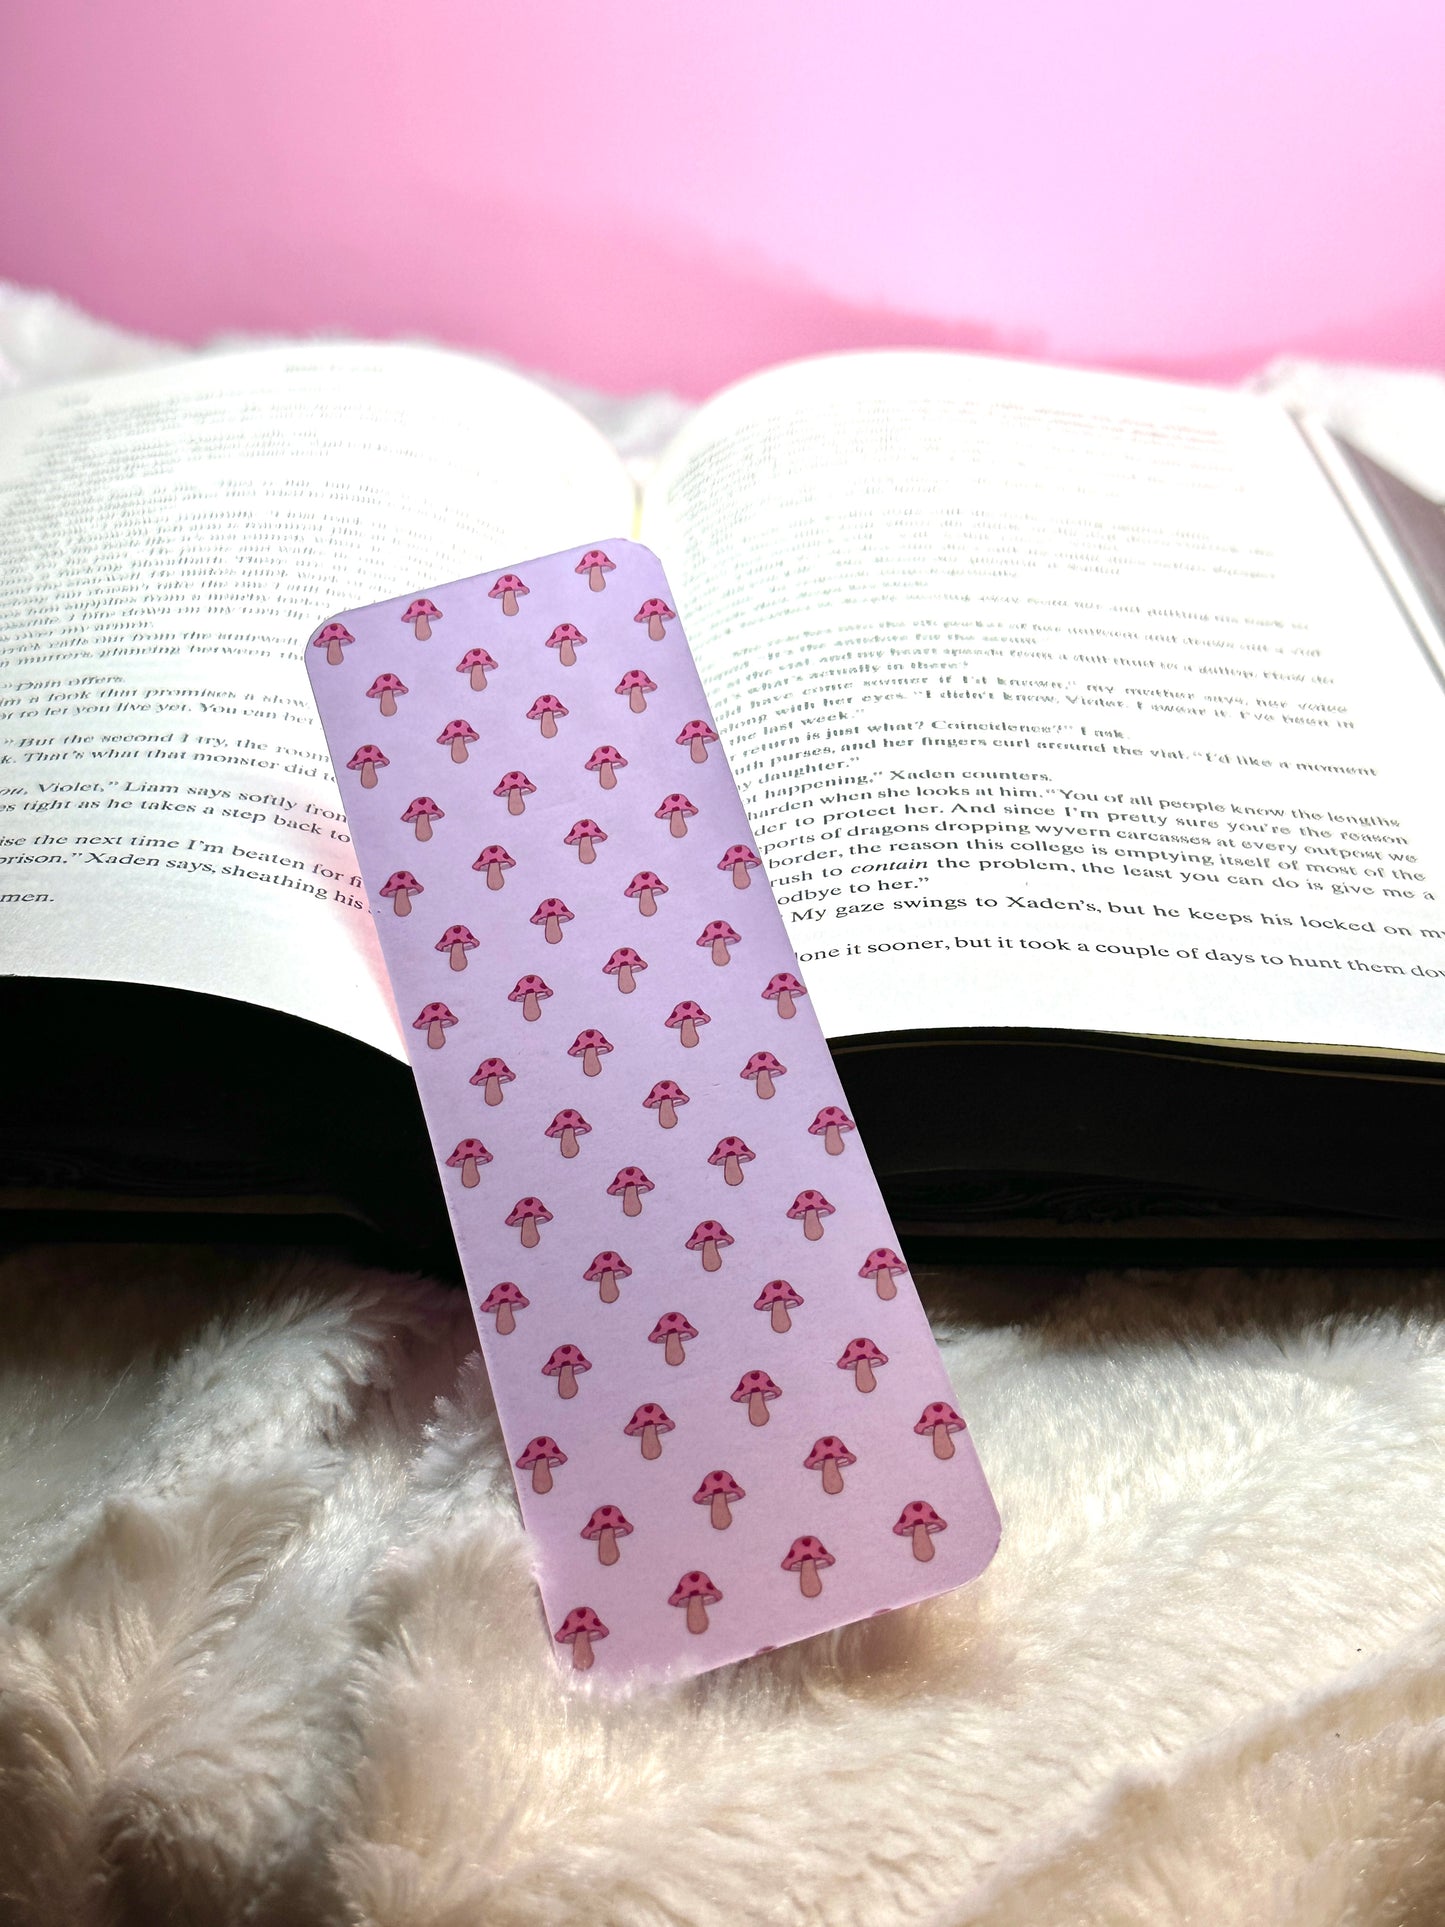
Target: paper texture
{"points": [[1078, 690], [730, 1421], [167, 813]]}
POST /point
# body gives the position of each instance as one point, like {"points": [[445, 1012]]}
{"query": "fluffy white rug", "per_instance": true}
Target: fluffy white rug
{"points": [[271, 1652]]}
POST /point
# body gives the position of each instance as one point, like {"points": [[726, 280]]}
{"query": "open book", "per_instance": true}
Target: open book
{"points": [[1089, 726]]}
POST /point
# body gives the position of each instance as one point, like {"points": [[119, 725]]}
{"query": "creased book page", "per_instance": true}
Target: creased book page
{"points": [[167, 811], [1063, 699]]}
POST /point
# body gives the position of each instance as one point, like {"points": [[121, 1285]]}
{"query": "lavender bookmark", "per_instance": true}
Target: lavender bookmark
{"points": [[730, 1424]]}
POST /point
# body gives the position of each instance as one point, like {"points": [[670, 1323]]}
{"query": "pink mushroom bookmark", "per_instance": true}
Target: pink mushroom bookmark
{"points": [[730, 1424]]}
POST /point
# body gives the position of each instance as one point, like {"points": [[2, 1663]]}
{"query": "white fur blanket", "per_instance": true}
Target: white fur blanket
{"points": [[270, 1652]]}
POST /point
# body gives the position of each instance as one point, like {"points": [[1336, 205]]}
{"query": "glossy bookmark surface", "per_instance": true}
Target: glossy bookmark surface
{"points": [[730, 1424]]}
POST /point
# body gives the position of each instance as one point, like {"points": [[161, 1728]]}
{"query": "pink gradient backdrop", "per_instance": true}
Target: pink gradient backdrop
{"points": [[664, 193]]}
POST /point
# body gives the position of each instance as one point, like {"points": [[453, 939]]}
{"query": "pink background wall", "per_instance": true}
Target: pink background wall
{"points": [[661, 192]]}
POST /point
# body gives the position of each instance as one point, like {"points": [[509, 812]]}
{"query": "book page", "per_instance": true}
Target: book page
{"points": [[167, 541], [1063, 700]]}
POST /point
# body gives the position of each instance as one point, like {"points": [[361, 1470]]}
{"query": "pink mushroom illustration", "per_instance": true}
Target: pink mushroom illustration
{"points": [[732, 1154], [608, 1524], [623, 965], [671, 1331], [919, 1522], [775, 1299], [583, 836], [805, 1557], [604, 1271], [604, 762], [531, 992], [860, 1355], [529, 1213], [538, 1458], [648, 1423], [333, 638], [757, 1391], [717, 1492], [386, 689], [516, 786], [781, 990], [505, 1300], [880, 1265], [565, 639], [591, 1046], [494, 860], [631, 1184], [830, 1124], [738, 858], [468, 1157], [578, 1630], [552, 913], [457, 940], [368, 759], [645, 888], [545, 711], [564, 1365], [421, 614], [594, 565], [695, 737], [697, 1592], [422, 811], [654, 612], [664, 1098], [436, 1020], [455, 736], [474, 666], [636, 686], [940, 1419], [710, 1239], [401, 886], [828, 1456], [761, 1068], [676, 809], [717, 936], [568, 1126], [508, 587], [493, 1073], [812, 1207], [685, 1019]]}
